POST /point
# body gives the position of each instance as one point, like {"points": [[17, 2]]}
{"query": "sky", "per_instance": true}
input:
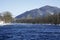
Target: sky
{"points": [[17, 7]]}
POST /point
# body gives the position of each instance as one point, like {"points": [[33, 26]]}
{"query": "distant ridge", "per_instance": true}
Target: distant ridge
{"points": [[40, 12]]}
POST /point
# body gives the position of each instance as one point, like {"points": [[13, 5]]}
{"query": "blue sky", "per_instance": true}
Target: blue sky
{"points": [[17, 7]]}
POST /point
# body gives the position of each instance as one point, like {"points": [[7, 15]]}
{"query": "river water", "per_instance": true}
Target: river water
{"points": [[30, 32]]}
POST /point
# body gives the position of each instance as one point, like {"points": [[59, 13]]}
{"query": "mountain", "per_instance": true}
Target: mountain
{"points": [[40, 12]]}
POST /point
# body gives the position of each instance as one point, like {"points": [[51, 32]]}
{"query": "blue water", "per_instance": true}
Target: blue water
{"points": [[30, 32]]}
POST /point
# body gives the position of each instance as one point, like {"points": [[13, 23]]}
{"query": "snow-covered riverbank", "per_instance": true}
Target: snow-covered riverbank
{"points": [[2, 24]]}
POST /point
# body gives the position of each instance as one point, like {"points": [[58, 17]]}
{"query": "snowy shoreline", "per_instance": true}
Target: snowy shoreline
{"points": [[24, 24]]}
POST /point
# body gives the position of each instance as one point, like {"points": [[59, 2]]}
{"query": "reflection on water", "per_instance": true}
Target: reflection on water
{"points": [[30, 32]]}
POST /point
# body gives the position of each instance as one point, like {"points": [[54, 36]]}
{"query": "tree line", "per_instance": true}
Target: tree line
{"points": [[49, 19]]}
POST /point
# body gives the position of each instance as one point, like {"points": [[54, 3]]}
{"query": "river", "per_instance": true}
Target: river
{"points": [[30, 32]]}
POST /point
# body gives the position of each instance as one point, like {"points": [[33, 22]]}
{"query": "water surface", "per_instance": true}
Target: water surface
{"points": [[30, 32]]}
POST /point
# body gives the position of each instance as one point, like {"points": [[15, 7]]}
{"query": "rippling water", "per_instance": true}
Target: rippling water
{"points": [[30, 32]]}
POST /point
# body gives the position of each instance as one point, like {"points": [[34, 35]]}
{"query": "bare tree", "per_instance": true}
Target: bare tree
{"points": [[7, 17]]}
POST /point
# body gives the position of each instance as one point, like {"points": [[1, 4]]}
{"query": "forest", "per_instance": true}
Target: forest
{"points": [[49, 19]]}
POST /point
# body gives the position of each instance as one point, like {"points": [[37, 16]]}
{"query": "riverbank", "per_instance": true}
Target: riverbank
{"points": [[25, 24]]}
